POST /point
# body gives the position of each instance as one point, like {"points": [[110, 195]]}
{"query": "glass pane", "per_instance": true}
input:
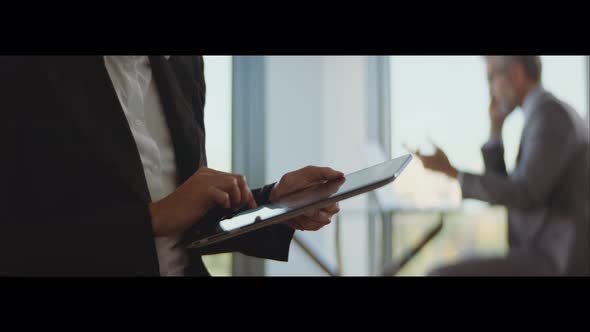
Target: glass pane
{"points": [[442, 99], [567, 78], [478, 233], [218, 127]]}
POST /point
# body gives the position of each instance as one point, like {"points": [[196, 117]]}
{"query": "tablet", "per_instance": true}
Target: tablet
{"points": [[311, 198]]}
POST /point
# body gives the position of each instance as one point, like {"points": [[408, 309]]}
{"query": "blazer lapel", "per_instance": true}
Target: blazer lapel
{"points": [[90, 98], [188, 136]]}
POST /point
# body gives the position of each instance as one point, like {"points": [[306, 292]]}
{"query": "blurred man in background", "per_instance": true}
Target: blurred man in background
{"points": [[547, 194]]}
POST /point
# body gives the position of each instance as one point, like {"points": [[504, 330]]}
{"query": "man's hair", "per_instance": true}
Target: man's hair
{"points": [[530, 63]]}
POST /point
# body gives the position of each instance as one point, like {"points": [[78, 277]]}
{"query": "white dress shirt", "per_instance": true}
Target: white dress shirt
{"points": [[132, 79]]}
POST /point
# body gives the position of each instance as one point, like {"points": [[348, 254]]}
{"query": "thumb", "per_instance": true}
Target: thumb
{"points": [[436, 147], [315, 174]]}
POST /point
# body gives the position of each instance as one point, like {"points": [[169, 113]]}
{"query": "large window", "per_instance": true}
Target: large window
{"points": [[445, 99], [218, 127]]}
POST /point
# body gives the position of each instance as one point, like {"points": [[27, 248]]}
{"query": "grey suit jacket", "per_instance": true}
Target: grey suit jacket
{"points": [[548, 193]]}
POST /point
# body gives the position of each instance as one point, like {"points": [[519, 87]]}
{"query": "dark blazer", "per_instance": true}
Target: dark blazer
{"points": [[74, 195]]}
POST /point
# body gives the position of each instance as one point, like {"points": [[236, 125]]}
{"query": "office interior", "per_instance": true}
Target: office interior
{"points": [[267, 115]]}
